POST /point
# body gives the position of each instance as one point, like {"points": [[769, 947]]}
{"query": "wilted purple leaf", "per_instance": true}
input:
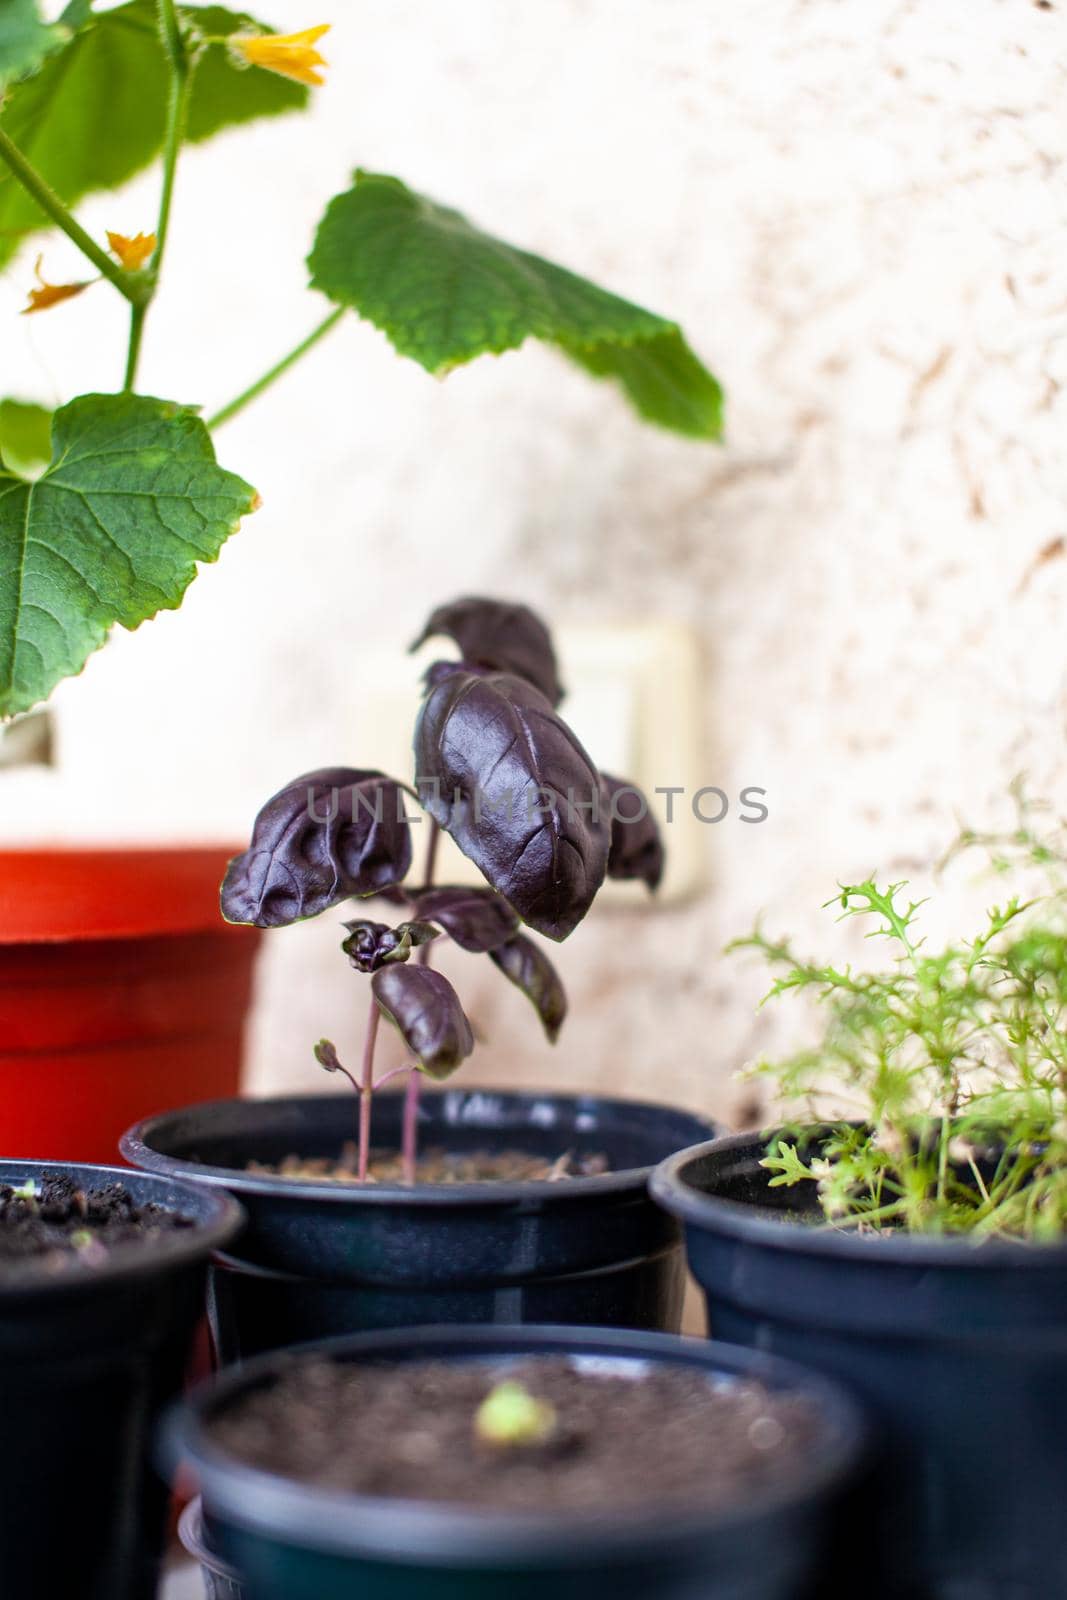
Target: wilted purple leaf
{"points": [[506, 777], [526, 964], [637, 849], [500, 636], [325, 837], [476, 919], [423, 1005]]}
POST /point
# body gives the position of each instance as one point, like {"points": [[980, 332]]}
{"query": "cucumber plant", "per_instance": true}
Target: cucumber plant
{"points": [[108, 505]]}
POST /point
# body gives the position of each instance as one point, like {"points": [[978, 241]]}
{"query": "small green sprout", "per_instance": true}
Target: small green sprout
{"points": [[511, 1416], [26, 1191]]}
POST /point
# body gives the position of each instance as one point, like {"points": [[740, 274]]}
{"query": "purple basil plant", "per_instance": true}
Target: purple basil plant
{"points": [[498, 769]]}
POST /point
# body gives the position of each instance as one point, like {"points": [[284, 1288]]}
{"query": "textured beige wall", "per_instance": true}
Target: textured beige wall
{"points": [[859, 212]]}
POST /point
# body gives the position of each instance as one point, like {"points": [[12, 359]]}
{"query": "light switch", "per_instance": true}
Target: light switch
{"points": [[634, 699]]}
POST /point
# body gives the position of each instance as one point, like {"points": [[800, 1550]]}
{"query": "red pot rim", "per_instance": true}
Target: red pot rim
{"points": [[66, 893]]}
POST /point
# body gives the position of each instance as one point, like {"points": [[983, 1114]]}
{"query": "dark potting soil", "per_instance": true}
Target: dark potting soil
{"points": [[58, 1224], [669, 1437], [438, 1166]]}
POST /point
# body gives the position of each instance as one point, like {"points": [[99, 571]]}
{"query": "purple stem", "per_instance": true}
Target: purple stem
{"points": [[429, 868], [394, 1072], [414, 1084], [367, 1089], [410, 1145]]}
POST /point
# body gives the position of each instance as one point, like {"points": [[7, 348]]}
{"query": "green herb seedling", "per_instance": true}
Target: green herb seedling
{"points": [[953, 1063], [510, 1417]]}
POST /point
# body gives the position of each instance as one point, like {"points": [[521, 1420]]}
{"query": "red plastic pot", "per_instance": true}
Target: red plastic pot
{"points": [[122, 992]]}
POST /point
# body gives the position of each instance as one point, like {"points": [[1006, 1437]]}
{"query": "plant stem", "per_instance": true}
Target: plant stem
{"points": [[254, 390], [394, 1072], [367, 1089], [131, 285], [410, 1141], [428, 871], [431, 855], [414, 1086], [177, 113], [944, 1137], [133, 349]]}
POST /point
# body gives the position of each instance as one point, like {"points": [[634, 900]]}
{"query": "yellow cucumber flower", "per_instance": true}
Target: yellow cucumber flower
{"points": [[132, 253], [292, 54], [50, 294]]}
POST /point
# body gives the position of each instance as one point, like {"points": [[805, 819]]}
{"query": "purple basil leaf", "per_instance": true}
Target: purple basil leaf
{"points": [[506, 777], [502, 637], [476, 919], [371, 945], [637, 849], [438, 671], [526, 964], [325, 837], [423, 1005]]}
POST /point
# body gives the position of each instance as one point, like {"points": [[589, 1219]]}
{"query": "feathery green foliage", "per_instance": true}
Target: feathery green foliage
{"points": [[954, 1061]]}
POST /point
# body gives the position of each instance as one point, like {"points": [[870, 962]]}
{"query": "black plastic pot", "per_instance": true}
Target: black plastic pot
{"points": [[960, 1350], [221, 1582], [291, 1541], [88, 1358], [324, 1258]]}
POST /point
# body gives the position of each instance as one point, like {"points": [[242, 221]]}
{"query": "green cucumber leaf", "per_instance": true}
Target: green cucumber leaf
{"points": [[111, 532], [24, 39], [25, 436], [444, 292]]}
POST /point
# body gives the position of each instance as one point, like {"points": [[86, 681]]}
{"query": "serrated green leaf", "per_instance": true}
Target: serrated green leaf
{"points": [[444, 292], [25, 436], [24, 39], [94, 115], [665, 381], [132, 499]]}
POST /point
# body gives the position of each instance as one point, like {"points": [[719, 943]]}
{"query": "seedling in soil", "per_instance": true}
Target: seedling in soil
{"points": [[953, 1062], [511, 1418], [498, 769]]}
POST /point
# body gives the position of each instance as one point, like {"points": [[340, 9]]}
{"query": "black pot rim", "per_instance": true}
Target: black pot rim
{"points": [[423, 1532], [737, 1219], [137, 1149], [191, 1537], [218, 1218]]}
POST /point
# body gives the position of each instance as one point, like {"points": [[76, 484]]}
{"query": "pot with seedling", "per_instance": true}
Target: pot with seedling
{"points": [[521, 1207], [515, 1462], [101, 1288], [919, 1252]]}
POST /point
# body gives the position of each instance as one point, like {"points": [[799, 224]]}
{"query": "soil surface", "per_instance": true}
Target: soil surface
{"points": [[669, 1437], [58, 1224], [439, 1166]]}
